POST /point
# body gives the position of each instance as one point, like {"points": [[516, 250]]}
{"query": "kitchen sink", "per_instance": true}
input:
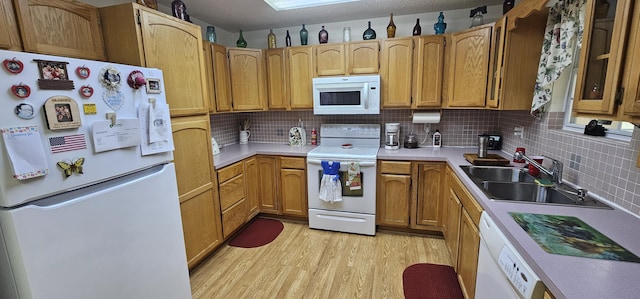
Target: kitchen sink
{"points": [[497, 174], [513, 184], [533, 193]]}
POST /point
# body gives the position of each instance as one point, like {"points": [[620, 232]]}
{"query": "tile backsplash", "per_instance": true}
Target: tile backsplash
{"points": [[603, 166], [458, 127]]}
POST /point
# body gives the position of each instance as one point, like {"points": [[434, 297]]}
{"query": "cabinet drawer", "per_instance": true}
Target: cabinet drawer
{"points": [[395, 167], [230, 171], [233, 218], [231, 192], [290, 162]]}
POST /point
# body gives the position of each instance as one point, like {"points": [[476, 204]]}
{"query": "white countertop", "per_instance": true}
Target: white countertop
{"points": [[565, 276]]}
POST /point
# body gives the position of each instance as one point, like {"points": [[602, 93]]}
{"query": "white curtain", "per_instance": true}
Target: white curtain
{"points": [[563, 32]]}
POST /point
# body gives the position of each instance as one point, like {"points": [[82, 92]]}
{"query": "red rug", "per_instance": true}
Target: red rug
{"points": [[431, 281], [258, 233]]}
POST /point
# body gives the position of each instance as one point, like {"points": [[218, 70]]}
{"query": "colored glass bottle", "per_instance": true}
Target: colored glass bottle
{"points": [[391, 28], [323, 36], [507, 5], [211, 34], [369, 33], [417, 30], [271, 39], [441, 26], [287, 40], [241, 43], [304, 35]]}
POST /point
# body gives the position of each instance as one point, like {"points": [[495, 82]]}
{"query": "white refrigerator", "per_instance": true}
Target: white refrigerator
{"points": [[89, 204]]}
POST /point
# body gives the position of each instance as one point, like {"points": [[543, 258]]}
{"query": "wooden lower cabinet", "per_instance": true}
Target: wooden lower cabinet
{"points": [[232, 197], [428, 206], [293, 186], [468, 255], [252, 187], [197, 187], [267, 167], [461, 232], [394, 193]]}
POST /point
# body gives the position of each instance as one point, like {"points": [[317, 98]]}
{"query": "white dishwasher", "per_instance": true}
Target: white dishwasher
{"points": [[502, 272]]}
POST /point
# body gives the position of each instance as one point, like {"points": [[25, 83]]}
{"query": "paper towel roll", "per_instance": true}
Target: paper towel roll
{"points": [[426, 117]]}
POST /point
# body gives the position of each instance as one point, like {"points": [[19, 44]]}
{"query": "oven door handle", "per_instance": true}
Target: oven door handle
{"points": [[362, 164]]}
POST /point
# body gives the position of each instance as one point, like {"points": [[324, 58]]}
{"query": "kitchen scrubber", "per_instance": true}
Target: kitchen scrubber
{"points": [[544, 183]]}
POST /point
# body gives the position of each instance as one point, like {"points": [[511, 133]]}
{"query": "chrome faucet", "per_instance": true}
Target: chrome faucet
{"points": [[555, 172]]}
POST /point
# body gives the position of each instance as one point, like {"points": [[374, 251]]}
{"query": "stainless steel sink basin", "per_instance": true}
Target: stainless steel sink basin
{"points": [[497, 174], [533, 193], [513, 184]]}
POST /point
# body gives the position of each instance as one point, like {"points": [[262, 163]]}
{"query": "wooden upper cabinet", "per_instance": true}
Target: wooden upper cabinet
{"points": [[218, 73], [65, 28], [515, 57], [331, 59], [300, 75], [164, 42], [631, 80], [428, 71], [248, 85], [353, 58], [602, 57], [364, 57], [395, 72], [9, 34], [276, 78], [468, 67]]}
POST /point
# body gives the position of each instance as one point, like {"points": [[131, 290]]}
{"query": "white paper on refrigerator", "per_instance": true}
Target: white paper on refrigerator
{"points": [[150, 148], [125, 133], [25, 151]]}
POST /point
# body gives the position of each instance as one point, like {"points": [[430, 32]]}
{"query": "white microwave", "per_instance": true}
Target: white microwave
{"points": [[346, 95]]}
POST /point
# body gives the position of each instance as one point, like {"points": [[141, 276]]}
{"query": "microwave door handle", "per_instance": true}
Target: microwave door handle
{"points": [[366, 95]]}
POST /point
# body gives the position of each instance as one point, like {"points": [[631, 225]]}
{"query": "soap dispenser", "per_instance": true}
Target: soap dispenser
{"points": [[437, 139]]}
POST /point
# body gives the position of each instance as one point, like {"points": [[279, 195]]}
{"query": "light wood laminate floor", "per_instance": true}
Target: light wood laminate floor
{"points": [[309, 263]]}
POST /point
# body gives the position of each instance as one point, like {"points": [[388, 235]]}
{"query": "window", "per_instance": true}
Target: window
{"points": [[616, 130]]}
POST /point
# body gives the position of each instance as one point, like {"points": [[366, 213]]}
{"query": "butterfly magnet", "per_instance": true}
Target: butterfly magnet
{"points": [[71, 167]]}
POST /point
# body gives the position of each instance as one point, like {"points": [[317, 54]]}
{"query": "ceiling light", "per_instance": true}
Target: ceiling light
{"points": [[279, 5]]}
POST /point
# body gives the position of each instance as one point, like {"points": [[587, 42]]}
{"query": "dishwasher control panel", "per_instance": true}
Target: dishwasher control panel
{"points": [[518, 273]]}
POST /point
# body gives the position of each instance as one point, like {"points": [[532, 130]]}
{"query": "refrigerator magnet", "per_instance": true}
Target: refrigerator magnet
{"points": [[90, 109], [153, 85], [53, 75], [62, 113], [110, 78], [20, 90], [70, 167], [86, 91], [83, 72], [136, 79], [14, 66], [24, 111]]}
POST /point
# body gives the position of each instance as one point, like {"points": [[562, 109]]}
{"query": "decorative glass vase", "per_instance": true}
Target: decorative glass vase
{"points": [[241, 43], [304, 35], [271, 39], [287, 40], [441, 26], [369, 33], [323, 36], [417, 30], [346, 34], [507, 5], [391, 28], [211, 34]]}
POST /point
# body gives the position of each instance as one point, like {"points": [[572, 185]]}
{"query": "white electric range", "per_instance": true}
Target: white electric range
{"points": [[348, 144]]}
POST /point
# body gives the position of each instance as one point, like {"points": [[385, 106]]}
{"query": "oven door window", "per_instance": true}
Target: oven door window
{"points": [[346, 191], [340, 98]]}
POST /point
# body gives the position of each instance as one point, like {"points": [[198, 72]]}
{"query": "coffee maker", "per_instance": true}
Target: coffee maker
{"points": [[392, 135]]}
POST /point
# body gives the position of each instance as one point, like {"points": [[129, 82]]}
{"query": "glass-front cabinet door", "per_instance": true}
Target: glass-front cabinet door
{"points": [[601, 56]]}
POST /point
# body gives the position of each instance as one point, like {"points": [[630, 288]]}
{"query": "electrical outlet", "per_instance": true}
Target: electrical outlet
{"points": [[518, 131]]}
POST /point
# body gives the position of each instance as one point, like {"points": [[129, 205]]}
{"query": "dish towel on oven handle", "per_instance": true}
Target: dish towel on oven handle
{"points": [[353, 176], [330, 186]]}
